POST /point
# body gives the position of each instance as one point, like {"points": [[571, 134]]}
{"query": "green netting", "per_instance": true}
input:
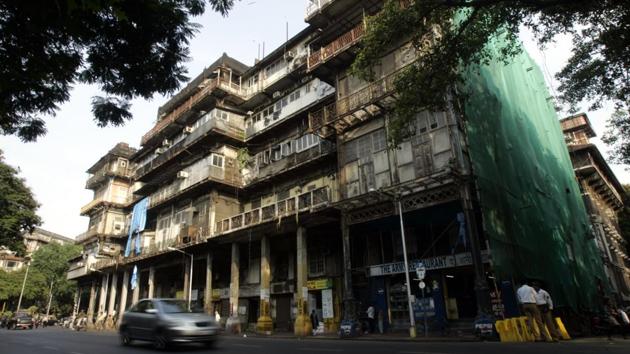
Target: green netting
{"points": [[533, 214]]}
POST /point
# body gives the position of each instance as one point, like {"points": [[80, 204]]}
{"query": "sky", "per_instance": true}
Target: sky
{"points": [[54, 166]]}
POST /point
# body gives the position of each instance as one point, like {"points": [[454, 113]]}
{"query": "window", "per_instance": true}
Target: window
{"points": [[276, 153], [217, 160], [10, 264], [286, 149], [316, 263], [379, 140], [222, 115], [306, 142]]}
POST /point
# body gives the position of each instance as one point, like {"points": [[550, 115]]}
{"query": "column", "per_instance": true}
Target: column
{"points": [[91, 304], [482, 293], [112, 300], [102, 302], [151, 282], [265, 323], [75, 309], [349, 305], [233, 322], [303, 325], [123, 295], [135, 296], [186, 277], [207, 296]]}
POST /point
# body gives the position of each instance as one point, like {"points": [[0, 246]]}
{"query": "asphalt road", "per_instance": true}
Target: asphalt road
{"points": [[55, 340]]}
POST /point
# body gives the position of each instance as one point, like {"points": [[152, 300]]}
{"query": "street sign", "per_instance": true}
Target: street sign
{"points": [[421, 271]]}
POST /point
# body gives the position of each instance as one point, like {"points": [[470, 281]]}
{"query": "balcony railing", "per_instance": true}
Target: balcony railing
{"points": [[108, 171], [190, 237], [105, 263], [98, 201], [315, 6], [294, 160], [333, 113], [214, 124], [304, 202], [337, 46], [210, 86]]}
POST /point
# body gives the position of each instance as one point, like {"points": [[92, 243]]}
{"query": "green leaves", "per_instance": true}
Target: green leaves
{"points": [[128, 48], [17, 208], [596, 72]]}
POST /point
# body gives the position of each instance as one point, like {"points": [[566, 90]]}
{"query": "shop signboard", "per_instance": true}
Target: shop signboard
{"points": [[319, 284], [440, 262], [327, 304]]}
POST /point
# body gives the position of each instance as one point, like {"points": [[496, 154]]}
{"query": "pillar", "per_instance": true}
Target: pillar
{"points": [[349, 305], [303, 325], [75, 309], [135, 296], [102, 301], [265, 323], [112, 300], [123, 295], [207, 296], [151, 282], [482, 293], [186, 277], [91, 304], [233, 322]]}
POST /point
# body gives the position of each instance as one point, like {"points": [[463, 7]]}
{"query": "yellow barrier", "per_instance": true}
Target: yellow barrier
{"points": [[563, 331], [516, 330]]}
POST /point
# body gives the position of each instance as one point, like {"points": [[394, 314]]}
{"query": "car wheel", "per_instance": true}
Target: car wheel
{"points": [[159, 340], [125, 338]]}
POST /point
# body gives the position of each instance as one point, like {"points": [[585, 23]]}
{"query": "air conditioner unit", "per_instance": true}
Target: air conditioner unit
{"points": [[277, 94], [119, 227], [160, 150], [289, 55], [182, 174], [166, 142], [188, 130]]}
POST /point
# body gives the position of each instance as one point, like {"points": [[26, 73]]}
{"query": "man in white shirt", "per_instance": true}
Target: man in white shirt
{"points": [[527, 298], [545, 307]]}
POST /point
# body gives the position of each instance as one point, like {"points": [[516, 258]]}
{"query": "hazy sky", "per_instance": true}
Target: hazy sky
{"points": [[54, 167]]}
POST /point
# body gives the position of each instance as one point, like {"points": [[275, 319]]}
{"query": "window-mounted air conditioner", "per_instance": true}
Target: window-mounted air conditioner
{"points": [[182, 174], [166, 142], [160, 150], [188, 130]]}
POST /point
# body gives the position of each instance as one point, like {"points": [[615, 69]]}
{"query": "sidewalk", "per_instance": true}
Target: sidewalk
{"points": [[389, 337]]}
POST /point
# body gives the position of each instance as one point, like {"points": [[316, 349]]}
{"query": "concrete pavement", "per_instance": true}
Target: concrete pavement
{"points": [[55, 340]]}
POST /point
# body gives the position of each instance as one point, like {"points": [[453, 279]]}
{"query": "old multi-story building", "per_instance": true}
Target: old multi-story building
{"points": [[604, 196], [10, 261], [278, 182]]}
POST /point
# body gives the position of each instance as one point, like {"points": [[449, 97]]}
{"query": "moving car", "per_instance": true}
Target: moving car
{"points": [[20, 321], [165, 322]]}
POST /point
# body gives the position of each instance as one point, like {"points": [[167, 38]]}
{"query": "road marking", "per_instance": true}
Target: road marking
{"points": [[320, 349], [248, 345]]}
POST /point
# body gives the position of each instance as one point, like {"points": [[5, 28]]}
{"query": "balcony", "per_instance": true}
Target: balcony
{"points": [[305, 202], [315, 6], [86, 235], [333, 49], [77, 268], [121, 203], [209, 88], [232, 128], [354, 108], [198, 177], [189, 236], [102, 175], [292, 162]]}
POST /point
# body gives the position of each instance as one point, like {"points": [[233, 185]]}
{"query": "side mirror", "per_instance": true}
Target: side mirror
{"points": [[151, 311]]}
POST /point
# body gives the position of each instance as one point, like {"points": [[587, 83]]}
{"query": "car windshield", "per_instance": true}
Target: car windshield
{"points": [[174, 306]]}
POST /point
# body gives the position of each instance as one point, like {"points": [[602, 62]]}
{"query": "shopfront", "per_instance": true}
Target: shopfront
{"points": [[323, 298]]}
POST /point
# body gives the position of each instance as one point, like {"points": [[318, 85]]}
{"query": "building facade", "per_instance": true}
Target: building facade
{"points": [[278, 181], [604, 196]]}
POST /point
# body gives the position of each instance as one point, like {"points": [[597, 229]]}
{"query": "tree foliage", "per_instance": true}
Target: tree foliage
{"points": [[128, 48], [17, 208], [617, 136], [596, 72], [49, 264]]}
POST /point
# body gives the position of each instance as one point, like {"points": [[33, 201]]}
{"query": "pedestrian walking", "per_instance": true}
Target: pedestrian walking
{"points": [[314, 321], [527, 298], [545, 307], [370, 314]]}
